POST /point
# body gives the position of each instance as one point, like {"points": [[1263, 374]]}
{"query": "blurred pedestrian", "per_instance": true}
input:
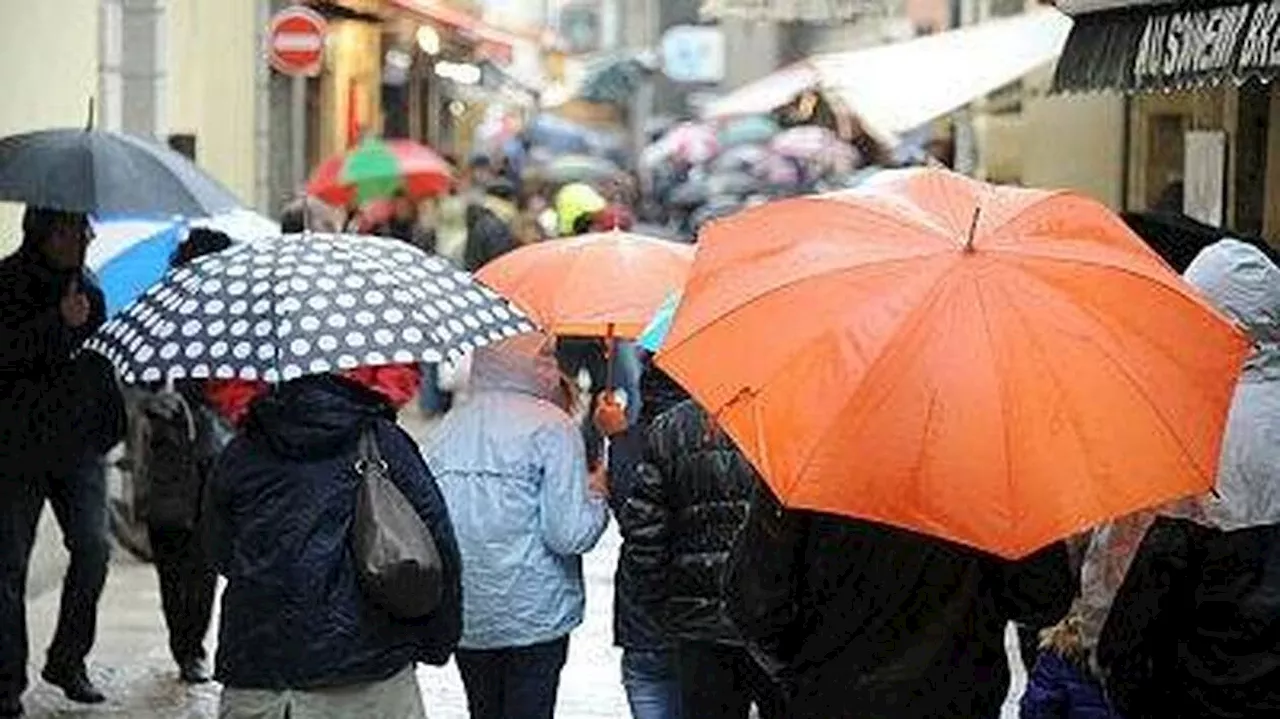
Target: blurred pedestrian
{"points": [[613, 217], [488, 237], [183, 438], [575, 204], [1192, 630], [61, 411], [511, 464], [299, 636], [309, 214], [649, 668], [689, 502], [405, 223], [858, 619]]}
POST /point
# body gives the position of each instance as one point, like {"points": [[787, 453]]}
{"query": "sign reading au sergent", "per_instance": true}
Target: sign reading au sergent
{"points": [[295, 41], [1238, 39]]}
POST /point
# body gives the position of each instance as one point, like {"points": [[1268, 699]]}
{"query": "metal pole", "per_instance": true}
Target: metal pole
{"points": [[298, 133]]}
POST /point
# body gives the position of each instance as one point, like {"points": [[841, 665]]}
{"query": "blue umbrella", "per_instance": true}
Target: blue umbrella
{"points": [[128, 255], [656, 333]]}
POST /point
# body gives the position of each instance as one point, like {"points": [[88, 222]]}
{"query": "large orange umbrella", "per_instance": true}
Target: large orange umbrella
{"points": [[607, 284], [1000, 367]]}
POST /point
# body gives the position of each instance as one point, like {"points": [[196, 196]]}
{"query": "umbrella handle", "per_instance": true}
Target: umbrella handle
{"points": [[610, 355]]}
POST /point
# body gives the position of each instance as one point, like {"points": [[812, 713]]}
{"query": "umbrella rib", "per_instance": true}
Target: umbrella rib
{"points": [[912, 320], [154, 160], [1005, 424], [1121, 367]]}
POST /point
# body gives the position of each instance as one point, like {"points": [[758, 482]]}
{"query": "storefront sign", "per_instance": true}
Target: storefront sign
{"points": [[693, 53], [1169, 47]]}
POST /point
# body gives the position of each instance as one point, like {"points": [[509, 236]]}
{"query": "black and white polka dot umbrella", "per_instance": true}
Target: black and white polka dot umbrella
{"points": [[283, 307]]}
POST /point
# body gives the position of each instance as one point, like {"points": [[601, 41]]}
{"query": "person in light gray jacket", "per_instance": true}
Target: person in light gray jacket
{"points": [[512, 466]]}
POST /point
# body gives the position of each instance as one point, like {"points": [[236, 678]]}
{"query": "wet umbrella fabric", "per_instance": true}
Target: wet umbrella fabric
{"points": [[93, 171], [747, 130], [1009, 366], [577, 168], [378, 169], [304, 304]]}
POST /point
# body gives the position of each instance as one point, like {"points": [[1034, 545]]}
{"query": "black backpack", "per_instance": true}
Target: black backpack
{"points": [[171, 460]]}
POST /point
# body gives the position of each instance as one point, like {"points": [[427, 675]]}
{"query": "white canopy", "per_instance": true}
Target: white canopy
{"points": [[901, 86]]}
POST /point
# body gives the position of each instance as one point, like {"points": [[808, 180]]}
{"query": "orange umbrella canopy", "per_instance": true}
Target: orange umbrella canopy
{"points": [[595, 285], [1000, 367]]}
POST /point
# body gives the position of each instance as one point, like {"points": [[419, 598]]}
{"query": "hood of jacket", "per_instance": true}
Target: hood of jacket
{"points": [[315, 417], [1240, 280], [1245, 285], [525, 364]]}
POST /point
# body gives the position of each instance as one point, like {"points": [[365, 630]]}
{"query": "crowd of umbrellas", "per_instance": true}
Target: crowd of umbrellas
{"points": [[1006, 366], [696, 172]]}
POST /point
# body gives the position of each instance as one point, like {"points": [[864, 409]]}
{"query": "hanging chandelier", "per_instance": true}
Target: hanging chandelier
{"points": [[813, 11]]}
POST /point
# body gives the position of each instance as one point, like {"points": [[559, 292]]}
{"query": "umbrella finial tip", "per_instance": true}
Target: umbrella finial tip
{"points": [[973, 230]]}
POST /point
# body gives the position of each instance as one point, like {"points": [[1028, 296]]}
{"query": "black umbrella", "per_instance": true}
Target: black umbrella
{"points": [[99, 172], [281, 308], [1178, 238]]}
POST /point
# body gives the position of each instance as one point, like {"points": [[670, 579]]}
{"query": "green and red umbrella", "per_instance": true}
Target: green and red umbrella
{"points": [[378, 168]]}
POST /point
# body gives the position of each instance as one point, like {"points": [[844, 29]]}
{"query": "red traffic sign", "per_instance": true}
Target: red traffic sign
{"points": [[295, 41]]}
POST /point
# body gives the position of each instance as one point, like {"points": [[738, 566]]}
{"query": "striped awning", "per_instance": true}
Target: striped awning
{"points": [[1171, 47]]}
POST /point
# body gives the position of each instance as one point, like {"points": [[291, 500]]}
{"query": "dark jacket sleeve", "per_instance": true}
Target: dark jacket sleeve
{"points": [[763, 582], [1136, 638], [414, 479], [214, 519], [1038, 590], [34, 335], [645, 523]]}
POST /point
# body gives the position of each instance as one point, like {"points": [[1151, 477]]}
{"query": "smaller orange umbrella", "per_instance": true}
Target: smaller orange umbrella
{"points": [[606, 284]]}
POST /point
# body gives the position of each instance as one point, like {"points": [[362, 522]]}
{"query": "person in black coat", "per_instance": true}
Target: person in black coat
{"points": [[648, 655], [282, 502], [488, 237], [862, 620], [60, 411], [184, 437], [689, 502]]}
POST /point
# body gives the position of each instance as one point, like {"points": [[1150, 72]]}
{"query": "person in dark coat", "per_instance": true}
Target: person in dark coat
{"points": [[405, 224], [862, 620], [648, 655], [1194, 630], [679, 524], [488, 237], [309, 215], [60, 411], [295, 620], [184, 439]]}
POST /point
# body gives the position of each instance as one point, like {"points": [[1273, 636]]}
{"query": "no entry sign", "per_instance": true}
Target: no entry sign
{"points": [[295, 41]]}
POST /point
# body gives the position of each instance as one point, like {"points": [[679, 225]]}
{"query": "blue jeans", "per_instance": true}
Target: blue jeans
{"points": [[79, 502], [514, 683], [653, 687]]}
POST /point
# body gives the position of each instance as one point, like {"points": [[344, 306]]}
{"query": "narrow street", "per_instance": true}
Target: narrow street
{"points": [[132, 665], [131, 662]]}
